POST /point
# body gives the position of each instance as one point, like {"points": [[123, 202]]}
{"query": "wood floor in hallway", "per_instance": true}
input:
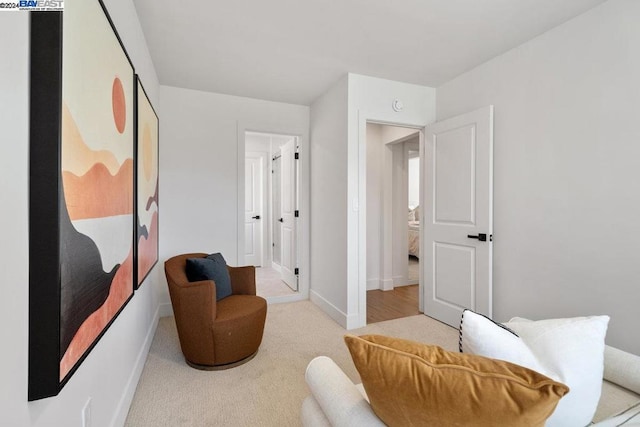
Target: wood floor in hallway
{"points": [[386, 305]]}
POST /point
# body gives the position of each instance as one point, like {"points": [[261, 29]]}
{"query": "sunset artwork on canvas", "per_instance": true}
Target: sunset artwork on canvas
{"points": [[96, 210], [147, 181]]}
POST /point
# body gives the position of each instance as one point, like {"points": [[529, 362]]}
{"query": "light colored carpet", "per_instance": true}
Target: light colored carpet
{"points": [[268, 390], [269, 283]]}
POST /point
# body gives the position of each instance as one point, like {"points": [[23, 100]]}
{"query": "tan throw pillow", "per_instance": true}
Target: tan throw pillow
{"points": [[411, 384]]}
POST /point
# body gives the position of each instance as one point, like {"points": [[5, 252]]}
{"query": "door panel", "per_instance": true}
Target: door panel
{"points": [[454, 272], [454, 176], [458, 185], [253, 208], [288, 208]]}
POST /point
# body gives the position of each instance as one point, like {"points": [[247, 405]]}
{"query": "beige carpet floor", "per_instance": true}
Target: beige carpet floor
{"points": [[268, 390], [269, 283]]}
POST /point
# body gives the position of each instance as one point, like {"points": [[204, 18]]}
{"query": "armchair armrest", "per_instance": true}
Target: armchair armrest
{"points": [[622, 368], [194, 308], [339, 399], [243, 280]]}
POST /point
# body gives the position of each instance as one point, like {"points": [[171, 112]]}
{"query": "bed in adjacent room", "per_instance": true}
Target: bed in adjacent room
{"points": [[414, 232]]}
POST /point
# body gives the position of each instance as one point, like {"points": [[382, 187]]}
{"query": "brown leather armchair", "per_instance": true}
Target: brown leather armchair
{"points": [[216, 335]]}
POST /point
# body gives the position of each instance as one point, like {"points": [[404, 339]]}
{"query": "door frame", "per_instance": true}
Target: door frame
{"points": [[390, 119], [304, 204]]}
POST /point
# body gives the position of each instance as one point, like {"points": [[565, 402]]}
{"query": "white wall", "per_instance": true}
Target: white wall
{"points": [[110, 373], [414, 181], [329, 202], [200, 167], [567, 174], [370, 99], [375, 167]]}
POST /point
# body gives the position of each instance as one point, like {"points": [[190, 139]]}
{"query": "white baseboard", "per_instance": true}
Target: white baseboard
{"points": [[334, 312], [285, 298], [354, 322], [373, 284], [400, 280], [399, 285], [276, 267], [165, 309], [386, 284], [127, 395]]}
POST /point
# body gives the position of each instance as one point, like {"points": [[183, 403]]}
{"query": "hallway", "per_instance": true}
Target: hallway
{"points": [[269, 283]]}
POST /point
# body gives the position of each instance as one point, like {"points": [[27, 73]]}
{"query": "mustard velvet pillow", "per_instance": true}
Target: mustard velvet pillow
{"points": [[411, 384]]}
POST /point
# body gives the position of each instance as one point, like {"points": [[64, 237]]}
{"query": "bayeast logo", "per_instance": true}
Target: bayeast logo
{"points": [[41, 5]]}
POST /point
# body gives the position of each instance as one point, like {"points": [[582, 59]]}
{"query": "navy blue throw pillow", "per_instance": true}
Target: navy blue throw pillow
{"points": [[213, 267]]}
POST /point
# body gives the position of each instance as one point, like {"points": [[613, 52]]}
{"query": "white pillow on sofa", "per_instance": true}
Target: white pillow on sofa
{"points": [[570, 351]]}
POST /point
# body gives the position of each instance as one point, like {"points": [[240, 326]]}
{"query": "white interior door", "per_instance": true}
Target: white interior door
{"points": [[276, 233], [253, 209], [288, 206], [458, 216]]}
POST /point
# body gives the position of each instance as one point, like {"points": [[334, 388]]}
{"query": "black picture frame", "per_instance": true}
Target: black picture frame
{"points": [[52, 233]]}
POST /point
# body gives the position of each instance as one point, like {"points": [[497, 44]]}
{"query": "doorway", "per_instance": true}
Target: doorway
{"points": [[271, 212], [393, 222]]}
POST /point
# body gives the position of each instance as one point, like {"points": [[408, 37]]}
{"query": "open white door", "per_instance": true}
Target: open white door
{"points": [[458, 219], [253, 209], [288, 212]]}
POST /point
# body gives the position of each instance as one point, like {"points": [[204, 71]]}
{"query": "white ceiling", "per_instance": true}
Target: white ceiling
{"points": [[294, 50]]}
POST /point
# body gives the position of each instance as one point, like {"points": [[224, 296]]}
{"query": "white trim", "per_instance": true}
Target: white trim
{"points": [[400, 281], [386, 284], [422, 202], [276, 267], [334, 312], [373, 284], [285, 298], [122, 409]]}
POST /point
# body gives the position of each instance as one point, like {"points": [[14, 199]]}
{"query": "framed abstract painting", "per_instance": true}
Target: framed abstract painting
{"points": [[146, 185], [82, 136]]}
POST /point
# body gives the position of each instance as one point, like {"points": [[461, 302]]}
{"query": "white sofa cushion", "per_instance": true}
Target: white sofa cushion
{"points": [[628, 418], [568, 350]]}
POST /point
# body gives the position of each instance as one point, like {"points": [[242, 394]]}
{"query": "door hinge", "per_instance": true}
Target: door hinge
{"points": [[296, 271], [296, 213], [297, 156]]}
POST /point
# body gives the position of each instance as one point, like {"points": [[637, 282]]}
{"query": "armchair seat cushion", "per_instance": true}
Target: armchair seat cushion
{"points": [[239, 325]]}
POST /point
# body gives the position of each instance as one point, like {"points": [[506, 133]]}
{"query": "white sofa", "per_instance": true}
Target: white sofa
{"points": [[336, 401]]}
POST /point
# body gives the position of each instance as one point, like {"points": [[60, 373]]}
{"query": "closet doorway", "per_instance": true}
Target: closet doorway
{"points": [[271, 211], [393, 221]]}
